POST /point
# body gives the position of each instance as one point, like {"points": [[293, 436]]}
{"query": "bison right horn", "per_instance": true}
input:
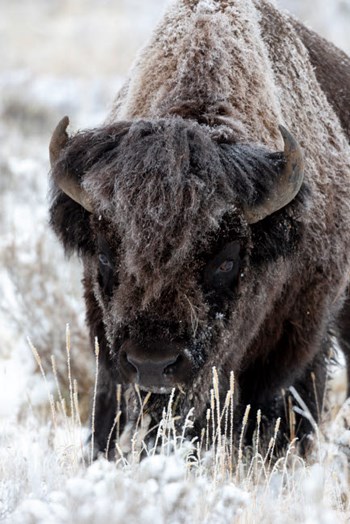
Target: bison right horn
{"points": [[288, 184], [66, 181]]}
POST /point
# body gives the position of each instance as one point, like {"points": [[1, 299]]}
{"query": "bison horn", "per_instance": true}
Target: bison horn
{"points": [[67, 182], [288, 184]]}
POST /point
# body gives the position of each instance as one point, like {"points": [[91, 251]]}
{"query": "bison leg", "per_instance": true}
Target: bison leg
{"points": [[310, 387], [106, 394], [103, 420]]}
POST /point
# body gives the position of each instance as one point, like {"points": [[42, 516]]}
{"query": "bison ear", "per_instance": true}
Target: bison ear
{"points": [[71, 223], [70, 206]]}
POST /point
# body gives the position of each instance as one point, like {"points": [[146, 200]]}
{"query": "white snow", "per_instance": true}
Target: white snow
{"points": [[71, 57]]}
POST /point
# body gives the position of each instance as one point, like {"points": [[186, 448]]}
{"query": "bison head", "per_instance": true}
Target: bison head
{"points": [[171, 225]]}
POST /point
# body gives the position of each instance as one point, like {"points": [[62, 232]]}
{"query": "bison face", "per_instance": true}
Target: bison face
{"points": [[165, 217], [161, 340]]}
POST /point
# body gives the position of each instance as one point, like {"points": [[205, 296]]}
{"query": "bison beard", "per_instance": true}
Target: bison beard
{"points": [[202, 244]]}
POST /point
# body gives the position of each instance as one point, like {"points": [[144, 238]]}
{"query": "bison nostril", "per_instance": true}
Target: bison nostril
{"points": [[129, 363], [172, 367], [153, 365]]}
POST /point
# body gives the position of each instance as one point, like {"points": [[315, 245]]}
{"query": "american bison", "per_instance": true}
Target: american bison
{"points": [[211, 212]]}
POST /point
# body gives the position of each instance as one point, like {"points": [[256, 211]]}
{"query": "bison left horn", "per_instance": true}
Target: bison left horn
{"points": [[66, 181], [288, 184]]}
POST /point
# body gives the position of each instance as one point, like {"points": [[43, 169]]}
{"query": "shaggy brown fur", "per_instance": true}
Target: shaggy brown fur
{"points": [[191, 140]]}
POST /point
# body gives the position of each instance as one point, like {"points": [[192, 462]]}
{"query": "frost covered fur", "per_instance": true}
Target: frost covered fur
{"points": [[192, 138]]}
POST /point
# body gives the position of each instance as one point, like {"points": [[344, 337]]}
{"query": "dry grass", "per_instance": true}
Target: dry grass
{"points": [[198, 480]]}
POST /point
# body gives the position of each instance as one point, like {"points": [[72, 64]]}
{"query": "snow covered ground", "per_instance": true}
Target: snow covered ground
{"points": [[69, 57]]}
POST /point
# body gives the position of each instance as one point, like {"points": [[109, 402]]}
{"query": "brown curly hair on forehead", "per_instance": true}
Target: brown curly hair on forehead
{"points": [[165, 184]]}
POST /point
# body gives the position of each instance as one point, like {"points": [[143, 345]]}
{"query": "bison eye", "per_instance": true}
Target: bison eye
{"points": [[105, 274], [226, 266], [221, 274], [103, 259]]}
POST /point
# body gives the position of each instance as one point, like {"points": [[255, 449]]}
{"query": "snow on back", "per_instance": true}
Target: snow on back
{"points": [[195, 58]]}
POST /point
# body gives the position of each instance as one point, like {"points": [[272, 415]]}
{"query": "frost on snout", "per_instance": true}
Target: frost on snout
{"points": [[160, 353]]}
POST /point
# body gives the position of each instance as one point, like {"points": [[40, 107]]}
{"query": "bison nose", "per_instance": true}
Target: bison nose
{"points": [[158, 366], [153, 371]]}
